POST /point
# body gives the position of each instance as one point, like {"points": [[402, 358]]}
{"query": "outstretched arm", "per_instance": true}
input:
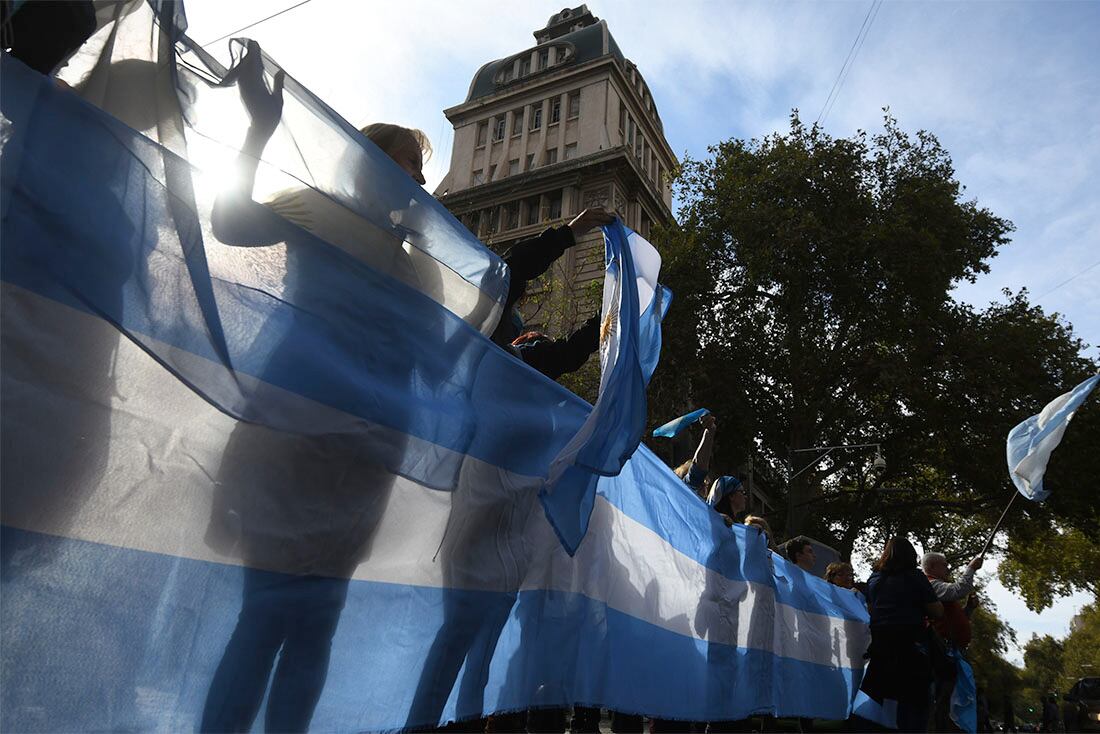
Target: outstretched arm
{"points": [[237, 219], [531, 258], [706, 444]]}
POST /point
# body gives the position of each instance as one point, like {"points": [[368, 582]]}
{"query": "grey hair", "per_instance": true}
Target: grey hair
{"points": [[930, 558]]}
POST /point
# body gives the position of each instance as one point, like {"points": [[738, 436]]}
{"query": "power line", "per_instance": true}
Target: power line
{"points": [[859, 48], [849, 60], [256, 23], [1067, 280]]}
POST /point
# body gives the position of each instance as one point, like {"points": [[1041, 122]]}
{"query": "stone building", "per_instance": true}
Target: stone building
{"points": [[566, 124]]}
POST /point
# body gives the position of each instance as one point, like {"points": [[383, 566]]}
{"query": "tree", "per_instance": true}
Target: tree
{"points": [[1042, 664], [1081, 648], [991, 637], [813, 306]]}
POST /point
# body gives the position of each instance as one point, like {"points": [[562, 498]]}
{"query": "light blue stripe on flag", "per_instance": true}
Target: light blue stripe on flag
{"points": [[675, 427]]}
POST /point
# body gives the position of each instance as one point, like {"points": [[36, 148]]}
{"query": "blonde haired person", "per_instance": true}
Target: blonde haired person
{"points": [[841, 574], [762, 525]]}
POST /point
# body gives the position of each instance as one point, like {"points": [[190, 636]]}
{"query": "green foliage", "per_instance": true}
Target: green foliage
{"points": [[1044, 562], [1081, 649], [813, 306], [1042, 664], [990, 641]]}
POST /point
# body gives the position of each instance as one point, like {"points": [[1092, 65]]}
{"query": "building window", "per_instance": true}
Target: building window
{"points": [[639, 143], [544, 59], [554, 205], [531, 216], [630, 129], [473, 221], [530, 162], [574, 105], [492, 171], [555, 110], [622, 119], [492, 221], [478, 178], [482, 133], [517, 122], [551, 156], [513, 167], [498, 131], [511, 215], [570, 151], [536, 117], [525, 66]]}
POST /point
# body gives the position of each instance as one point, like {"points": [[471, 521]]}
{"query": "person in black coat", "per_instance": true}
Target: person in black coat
{"points": [[900, 598]]}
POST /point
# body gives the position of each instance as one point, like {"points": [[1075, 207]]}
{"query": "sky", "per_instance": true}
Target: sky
{"points": [[1011, 89]]}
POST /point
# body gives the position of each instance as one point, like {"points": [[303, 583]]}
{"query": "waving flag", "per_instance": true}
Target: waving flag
{"points": [[634, 304], [222, 465], [674, 428], [1031, 443]]}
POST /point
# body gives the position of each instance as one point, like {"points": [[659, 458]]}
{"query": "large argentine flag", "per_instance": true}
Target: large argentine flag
{"points": [[293, 485]]}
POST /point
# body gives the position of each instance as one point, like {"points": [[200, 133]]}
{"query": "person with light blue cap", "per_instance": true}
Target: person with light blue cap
{"points": [[727, 497]]}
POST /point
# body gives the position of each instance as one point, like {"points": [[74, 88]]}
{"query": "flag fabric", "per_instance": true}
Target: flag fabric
{"points": [[964, 696], [883, 713], [301, 466], [634, 304], [1031, 443], [675, 427]]}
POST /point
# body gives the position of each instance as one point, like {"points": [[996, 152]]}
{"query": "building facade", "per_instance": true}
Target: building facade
{"points": [[559, 127]]}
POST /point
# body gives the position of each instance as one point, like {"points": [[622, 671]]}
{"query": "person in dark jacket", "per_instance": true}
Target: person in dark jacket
{"points": [[557, 357], [528, 259], [900, 599]]}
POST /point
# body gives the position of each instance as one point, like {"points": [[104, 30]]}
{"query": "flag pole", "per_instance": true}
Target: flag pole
{"points": [[997, 527]]}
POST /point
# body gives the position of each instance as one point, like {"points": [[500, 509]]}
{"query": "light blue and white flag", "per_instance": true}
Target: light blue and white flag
{"points": [[675, 427], [634, 304], [1031, 443], [964, 696], [222, 465]]}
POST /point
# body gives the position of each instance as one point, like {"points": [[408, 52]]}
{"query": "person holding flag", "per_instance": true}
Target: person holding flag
{"points": [[694, 471], [959, 602]]}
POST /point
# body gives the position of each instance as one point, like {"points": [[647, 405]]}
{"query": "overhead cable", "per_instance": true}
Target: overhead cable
{"points": [[255, 23], [849, 60]]}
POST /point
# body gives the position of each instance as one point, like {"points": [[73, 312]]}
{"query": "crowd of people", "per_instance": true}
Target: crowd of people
{"points": [[919, 616]]}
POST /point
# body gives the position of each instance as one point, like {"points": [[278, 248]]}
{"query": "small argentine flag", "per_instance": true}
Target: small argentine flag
{"points": [[1032, 441], [634, 304]]}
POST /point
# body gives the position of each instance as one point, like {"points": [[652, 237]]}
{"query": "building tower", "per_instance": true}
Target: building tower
{"points": [[547, 132]]}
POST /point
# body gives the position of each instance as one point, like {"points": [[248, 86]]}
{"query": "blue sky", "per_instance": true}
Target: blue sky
{"points": [[1012, 90]]}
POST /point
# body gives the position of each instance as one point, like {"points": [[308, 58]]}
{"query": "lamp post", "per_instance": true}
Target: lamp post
{"points": [[878, 464]]}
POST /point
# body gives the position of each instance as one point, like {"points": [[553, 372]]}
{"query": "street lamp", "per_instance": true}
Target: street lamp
{"points": [[878, 464]]}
